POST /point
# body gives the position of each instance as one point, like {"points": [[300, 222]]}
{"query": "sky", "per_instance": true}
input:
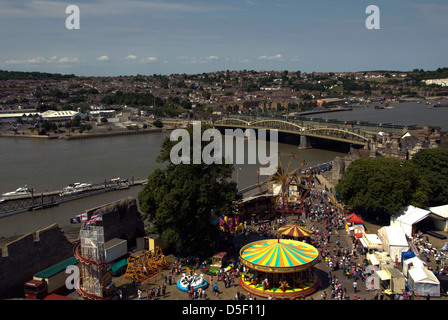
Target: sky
{"points": [[121, 37]]}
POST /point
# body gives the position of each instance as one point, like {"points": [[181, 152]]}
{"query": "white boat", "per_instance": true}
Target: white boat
{"points": [[75, 188], [79, 185], [22, 191]]}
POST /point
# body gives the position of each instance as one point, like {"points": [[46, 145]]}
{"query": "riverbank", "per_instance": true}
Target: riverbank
{"points": [[93, 134]]}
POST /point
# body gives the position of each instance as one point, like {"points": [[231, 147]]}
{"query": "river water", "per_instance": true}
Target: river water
{"points": [[51, 165], [406, 113]]}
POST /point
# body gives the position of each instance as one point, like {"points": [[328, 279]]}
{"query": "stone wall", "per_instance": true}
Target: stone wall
{"points": [[31, 253], [121, 219]]}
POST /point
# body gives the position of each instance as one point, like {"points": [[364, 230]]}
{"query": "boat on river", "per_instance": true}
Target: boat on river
{"points": [[20, 192], [76, 187]]}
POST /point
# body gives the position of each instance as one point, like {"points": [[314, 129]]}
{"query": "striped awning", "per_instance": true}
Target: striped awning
{"points": [[295, 230]]}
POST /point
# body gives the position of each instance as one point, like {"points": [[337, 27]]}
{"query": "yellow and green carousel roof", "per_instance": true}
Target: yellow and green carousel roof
{"points": [[279, 255]]}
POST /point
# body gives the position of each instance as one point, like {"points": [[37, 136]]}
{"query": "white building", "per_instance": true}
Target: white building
{"points": [[25, 116], [52, 115], [440, 82]]}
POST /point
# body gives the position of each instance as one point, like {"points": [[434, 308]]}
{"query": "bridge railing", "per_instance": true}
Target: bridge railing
{"points": [[355, 126]]}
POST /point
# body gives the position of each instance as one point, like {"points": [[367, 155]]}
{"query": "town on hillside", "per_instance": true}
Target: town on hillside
{"points": [[34, 96]]}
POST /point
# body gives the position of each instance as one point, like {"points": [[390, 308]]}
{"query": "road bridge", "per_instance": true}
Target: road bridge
{"points": [[346, 135]]}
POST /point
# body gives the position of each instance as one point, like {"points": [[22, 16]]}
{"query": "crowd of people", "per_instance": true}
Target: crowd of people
{"points": [[342, 257]]}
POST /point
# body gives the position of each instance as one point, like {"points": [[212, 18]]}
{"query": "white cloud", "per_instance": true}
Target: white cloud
{"points": [[103, 58], [149, 59], [276, 57], [212, 58], [67, 59], [41, 60], [131, 57]]}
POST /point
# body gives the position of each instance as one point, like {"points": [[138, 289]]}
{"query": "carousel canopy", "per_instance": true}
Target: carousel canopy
{"points": [[353, 218], [279, 255], [295, 230]]}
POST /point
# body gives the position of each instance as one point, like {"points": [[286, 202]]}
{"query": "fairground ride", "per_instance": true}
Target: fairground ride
{"points": [[289, 184]]}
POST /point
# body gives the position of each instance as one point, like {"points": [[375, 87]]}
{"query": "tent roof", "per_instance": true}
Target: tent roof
{"points": [[440, 210], [407, 255], [395, 235], [55, 269], [295, 230], [383, 275], [353, 218], [423, 275], [276, 254], [417, 262], [410, 215]]}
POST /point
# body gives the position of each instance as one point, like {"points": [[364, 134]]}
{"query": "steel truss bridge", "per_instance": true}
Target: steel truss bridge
{"points": [[356, 136]]}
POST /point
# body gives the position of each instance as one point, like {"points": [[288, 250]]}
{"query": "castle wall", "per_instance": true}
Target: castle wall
{"points": [[29, 254]]}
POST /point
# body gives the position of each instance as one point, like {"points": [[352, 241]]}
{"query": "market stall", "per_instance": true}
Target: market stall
{"points": [[423, 282], [394, 241]]}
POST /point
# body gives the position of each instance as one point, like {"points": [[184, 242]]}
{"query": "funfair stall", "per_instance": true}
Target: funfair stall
{"points": [[423, 282], [394, 241]]}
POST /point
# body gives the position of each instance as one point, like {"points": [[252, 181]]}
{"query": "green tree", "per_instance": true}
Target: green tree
{"points": [[433, 164], [179, 200], [378, 188], [157, 124]]}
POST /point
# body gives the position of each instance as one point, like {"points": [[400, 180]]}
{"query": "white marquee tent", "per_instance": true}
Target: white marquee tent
{"points": [[410, 263], [423, 282], [394, 241], [408, 217], [440, 215]]}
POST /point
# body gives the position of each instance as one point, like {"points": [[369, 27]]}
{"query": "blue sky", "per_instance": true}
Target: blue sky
{"points": [[120, 37]]}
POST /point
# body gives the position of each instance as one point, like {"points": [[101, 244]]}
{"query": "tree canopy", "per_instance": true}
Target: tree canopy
{"points": [[381, 187], [179, 200], [433, 165]]}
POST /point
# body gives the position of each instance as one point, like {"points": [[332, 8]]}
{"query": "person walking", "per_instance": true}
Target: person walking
{"points": [[355, 286], [215, 290]]}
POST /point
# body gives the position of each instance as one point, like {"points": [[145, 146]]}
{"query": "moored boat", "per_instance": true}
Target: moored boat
{"points": [[75, 188], [20, 192]]}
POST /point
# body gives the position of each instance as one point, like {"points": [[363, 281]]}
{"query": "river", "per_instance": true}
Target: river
{"points": [[51, 165], [406, 113]]}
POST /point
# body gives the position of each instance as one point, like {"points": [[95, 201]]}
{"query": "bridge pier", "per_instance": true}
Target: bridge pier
{"points": [[304, 142]]}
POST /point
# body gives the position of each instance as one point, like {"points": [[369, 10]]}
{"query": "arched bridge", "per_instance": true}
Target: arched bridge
{"points": [[342, 135]]}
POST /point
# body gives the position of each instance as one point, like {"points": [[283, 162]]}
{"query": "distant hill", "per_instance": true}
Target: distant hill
{"points": [[34, 75]]}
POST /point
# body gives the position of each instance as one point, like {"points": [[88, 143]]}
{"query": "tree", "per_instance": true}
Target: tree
{"points": [[157, 124], [433, 164], [381, 187], [179, 200]]}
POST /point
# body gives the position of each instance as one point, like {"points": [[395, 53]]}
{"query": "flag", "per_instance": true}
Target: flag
{"points": [[94, 219]]}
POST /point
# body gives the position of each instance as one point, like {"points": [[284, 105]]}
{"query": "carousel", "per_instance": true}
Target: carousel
{"points": [[279, 268]]}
